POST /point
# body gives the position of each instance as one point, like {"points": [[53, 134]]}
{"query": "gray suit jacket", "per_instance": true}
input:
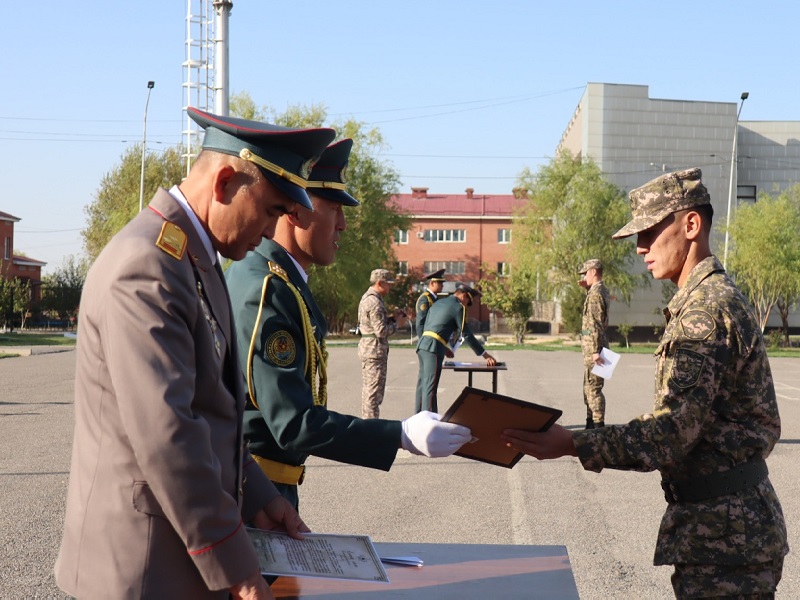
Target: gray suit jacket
{"points": [[155, 501]]}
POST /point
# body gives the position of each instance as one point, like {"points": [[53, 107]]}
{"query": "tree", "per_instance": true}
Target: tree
{"points": [[117, 200], [22, 299], [569, 217], [765, 255], [405, 291], [366, 244], [61, 290], [511, 296]]}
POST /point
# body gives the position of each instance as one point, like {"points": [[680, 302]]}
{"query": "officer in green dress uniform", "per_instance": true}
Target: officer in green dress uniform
{"points": [[445, 318], [281, 332], [432, 290]]}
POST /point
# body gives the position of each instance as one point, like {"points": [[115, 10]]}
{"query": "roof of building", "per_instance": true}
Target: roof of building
{"points": [[470, 204], [7, 217], [28, 261]]}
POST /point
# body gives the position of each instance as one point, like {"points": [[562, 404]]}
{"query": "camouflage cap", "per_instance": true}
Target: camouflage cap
{"points": [[664, 195], [592, 263], [380, 275]]}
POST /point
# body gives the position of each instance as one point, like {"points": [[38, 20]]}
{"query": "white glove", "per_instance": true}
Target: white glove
{"points": [[425, 434]]}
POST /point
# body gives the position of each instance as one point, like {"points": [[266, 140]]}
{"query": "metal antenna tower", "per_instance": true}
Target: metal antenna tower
{"points": [[205, 70], [198, 72]]}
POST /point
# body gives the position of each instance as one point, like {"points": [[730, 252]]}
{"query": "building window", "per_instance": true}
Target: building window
{"points": [[445, 235], [8, 249], [503, 236], [400, 236], [746, 193], [402, 267], [504, 269], [451, 267]]}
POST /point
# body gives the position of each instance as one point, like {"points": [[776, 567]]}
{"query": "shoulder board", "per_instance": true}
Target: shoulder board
{"points": [[172, 240], [278, 270]]}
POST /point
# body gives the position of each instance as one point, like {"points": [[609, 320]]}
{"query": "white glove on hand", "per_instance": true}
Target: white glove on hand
{"points": [[425, 434]]}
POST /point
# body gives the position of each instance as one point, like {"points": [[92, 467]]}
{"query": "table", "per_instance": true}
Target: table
{"points": [[476, 367], [452, 572]]}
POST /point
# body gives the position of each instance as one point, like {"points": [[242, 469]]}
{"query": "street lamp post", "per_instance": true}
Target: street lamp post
{"points": [[733, 179], [150, 85]]}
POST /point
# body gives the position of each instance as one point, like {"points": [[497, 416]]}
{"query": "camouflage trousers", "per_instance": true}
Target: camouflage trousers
{"points": [[593, 396], [727, 581], [373, 384]]}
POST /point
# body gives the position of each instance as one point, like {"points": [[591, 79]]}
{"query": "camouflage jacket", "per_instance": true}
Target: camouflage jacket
{"points": [[595, 320], [375, 325], [715, 408]]}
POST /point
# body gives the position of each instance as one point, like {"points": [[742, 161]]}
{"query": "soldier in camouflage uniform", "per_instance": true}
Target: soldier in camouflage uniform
{"points": [[715, 418], [593, 339], [373, 348]]}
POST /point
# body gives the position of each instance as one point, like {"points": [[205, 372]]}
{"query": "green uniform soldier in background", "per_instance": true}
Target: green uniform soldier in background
{"points": [[715, 418], [428, 297], [281, 333], [593, 339], [375, 326], [446, 318]]}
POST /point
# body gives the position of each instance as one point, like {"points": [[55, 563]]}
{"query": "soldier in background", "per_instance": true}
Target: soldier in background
{"points": [[715, 418], [373, 348], [593, 339], [428, 297], [447, 318]]}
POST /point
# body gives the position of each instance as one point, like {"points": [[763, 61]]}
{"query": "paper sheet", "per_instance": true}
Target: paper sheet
{"points": [[318, 555], [611, 359]]}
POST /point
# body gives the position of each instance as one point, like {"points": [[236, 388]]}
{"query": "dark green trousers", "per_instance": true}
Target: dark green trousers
{"points": [[430, 369]]}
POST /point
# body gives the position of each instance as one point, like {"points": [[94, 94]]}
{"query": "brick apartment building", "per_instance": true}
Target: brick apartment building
{"points": [[456, 232], [20, 267]]}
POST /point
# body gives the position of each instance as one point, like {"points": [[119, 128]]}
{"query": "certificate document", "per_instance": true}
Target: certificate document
{"points": [[318, 555]]}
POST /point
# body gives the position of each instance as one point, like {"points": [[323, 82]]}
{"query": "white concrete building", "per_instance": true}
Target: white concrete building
{"points": [[633, 138]]}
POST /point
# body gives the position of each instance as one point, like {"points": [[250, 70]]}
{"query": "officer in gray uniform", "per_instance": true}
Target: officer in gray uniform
{"points": [[426, 299], [593, 339], [446, 318], [715, 418]]}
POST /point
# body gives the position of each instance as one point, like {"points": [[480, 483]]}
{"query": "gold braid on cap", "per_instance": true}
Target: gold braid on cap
{"points": [[326, 184], [246, 154], [316, 354]]}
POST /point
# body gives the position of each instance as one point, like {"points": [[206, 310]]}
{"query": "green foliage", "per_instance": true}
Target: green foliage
{"points": [[511, 296], [624, 330], [117, 200], [15, 297], [571, 213], [405, 291], [765, 254], [61, 290], [774, 339], [572, 300]]}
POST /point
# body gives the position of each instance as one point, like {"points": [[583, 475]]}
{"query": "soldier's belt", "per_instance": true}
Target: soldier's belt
{"points": [[437, 337], [586, 331], [724, 483], [279, 472], [369, 335]]}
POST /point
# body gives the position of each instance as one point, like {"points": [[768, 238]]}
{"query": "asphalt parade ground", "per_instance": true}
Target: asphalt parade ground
{"points": [[607, 521]]}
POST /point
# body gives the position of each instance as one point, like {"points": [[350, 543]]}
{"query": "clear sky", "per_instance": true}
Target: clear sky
{"points": [[466, 93]]}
